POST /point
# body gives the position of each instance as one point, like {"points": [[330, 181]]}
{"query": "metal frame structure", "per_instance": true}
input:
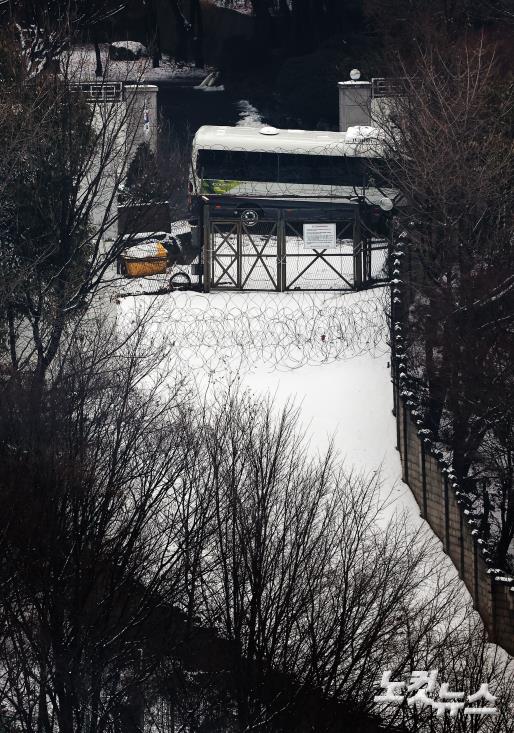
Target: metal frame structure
{"points": [[387, 87], [267, 253]]}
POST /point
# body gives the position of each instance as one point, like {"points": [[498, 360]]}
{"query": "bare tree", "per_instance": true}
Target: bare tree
{"points": [[451, 151], [313, 590], [88, 541], [47, 27], [62, 197], [404, 27]]}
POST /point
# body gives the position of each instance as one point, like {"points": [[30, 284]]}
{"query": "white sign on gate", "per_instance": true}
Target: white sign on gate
{"points": [[319, 236]]}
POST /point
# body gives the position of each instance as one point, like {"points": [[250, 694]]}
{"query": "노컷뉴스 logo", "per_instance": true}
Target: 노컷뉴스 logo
{"points": [[424, 691]]}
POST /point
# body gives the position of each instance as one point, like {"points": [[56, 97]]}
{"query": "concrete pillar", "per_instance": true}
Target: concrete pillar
{"points": [[354, 103]]}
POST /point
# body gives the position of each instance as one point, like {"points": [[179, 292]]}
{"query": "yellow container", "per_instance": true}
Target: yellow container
{"points": [[149, 260]]}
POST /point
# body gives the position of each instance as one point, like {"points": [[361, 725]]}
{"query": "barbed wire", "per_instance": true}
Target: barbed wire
{"points": [[227, 332]]}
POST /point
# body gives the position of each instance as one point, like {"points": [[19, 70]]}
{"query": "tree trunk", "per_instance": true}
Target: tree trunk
{"points": [[153, 35], [43, 720], [197, 25], [183, 30], [306, 21], [12, 338], [99, 67], [263, 25]]}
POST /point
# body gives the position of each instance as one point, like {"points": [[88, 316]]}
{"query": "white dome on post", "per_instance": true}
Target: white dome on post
{"points": [[355, 74]]}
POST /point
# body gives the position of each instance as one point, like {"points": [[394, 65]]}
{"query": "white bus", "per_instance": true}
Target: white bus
{"points": [[290, 164]]}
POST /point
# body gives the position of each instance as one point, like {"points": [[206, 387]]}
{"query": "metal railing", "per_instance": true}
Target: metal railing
{"points": [[387, 87], [111, 91]]}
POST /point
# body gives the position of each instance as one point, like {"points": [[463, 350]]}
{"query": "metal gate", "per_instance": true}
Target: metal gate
{"points": [[270, 253], [244, 257], [319, 269]]}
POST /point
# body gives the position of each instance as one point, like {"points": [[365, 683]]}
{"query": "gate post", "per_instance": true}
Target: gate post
{"points": [[281, 253], [207, 249], [357, 252], [366, 256], [239, 254]]}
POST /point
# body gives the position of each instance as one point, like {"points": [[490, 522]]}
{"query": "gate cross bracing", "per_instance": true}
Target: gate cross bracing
{"points": [[270, 254]]}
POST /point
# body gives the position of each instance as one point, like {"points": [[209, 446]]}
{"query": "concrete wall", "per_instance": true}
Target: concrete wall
{"points": [[492, 591], [141, 103], [125, 129], [435, 486], [381, 109]]}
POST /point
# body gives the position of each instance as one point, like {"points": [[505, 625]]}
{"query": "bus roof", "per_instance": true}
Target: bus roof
{"points": [[360, 140]]}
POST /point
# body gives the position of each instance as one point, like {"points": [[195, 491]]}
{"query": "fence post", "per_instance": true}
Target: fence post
{"points": [[423, 479], [366, 248], [240, 231], [397, 407], [475, 575], [446, 516], [461, 541], [357, 252], [207, 251], [281, 253], [405, 443], [493, 626]]}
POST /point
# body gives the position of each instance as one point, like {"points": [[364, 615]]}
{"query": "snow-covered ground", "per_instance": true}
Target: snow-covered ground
{"points": [[81, 62], [324, 351], [241, 6]]}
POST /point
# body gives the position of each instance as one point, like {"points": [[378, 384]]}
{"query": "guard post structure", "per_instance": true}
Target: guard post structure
{"points": [[354, 102]]}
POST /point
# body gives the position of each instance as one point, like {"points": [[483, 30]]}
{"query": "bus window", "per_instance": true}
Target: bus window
{"points": [[321, 170], [327, 170], [237, 165]]}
